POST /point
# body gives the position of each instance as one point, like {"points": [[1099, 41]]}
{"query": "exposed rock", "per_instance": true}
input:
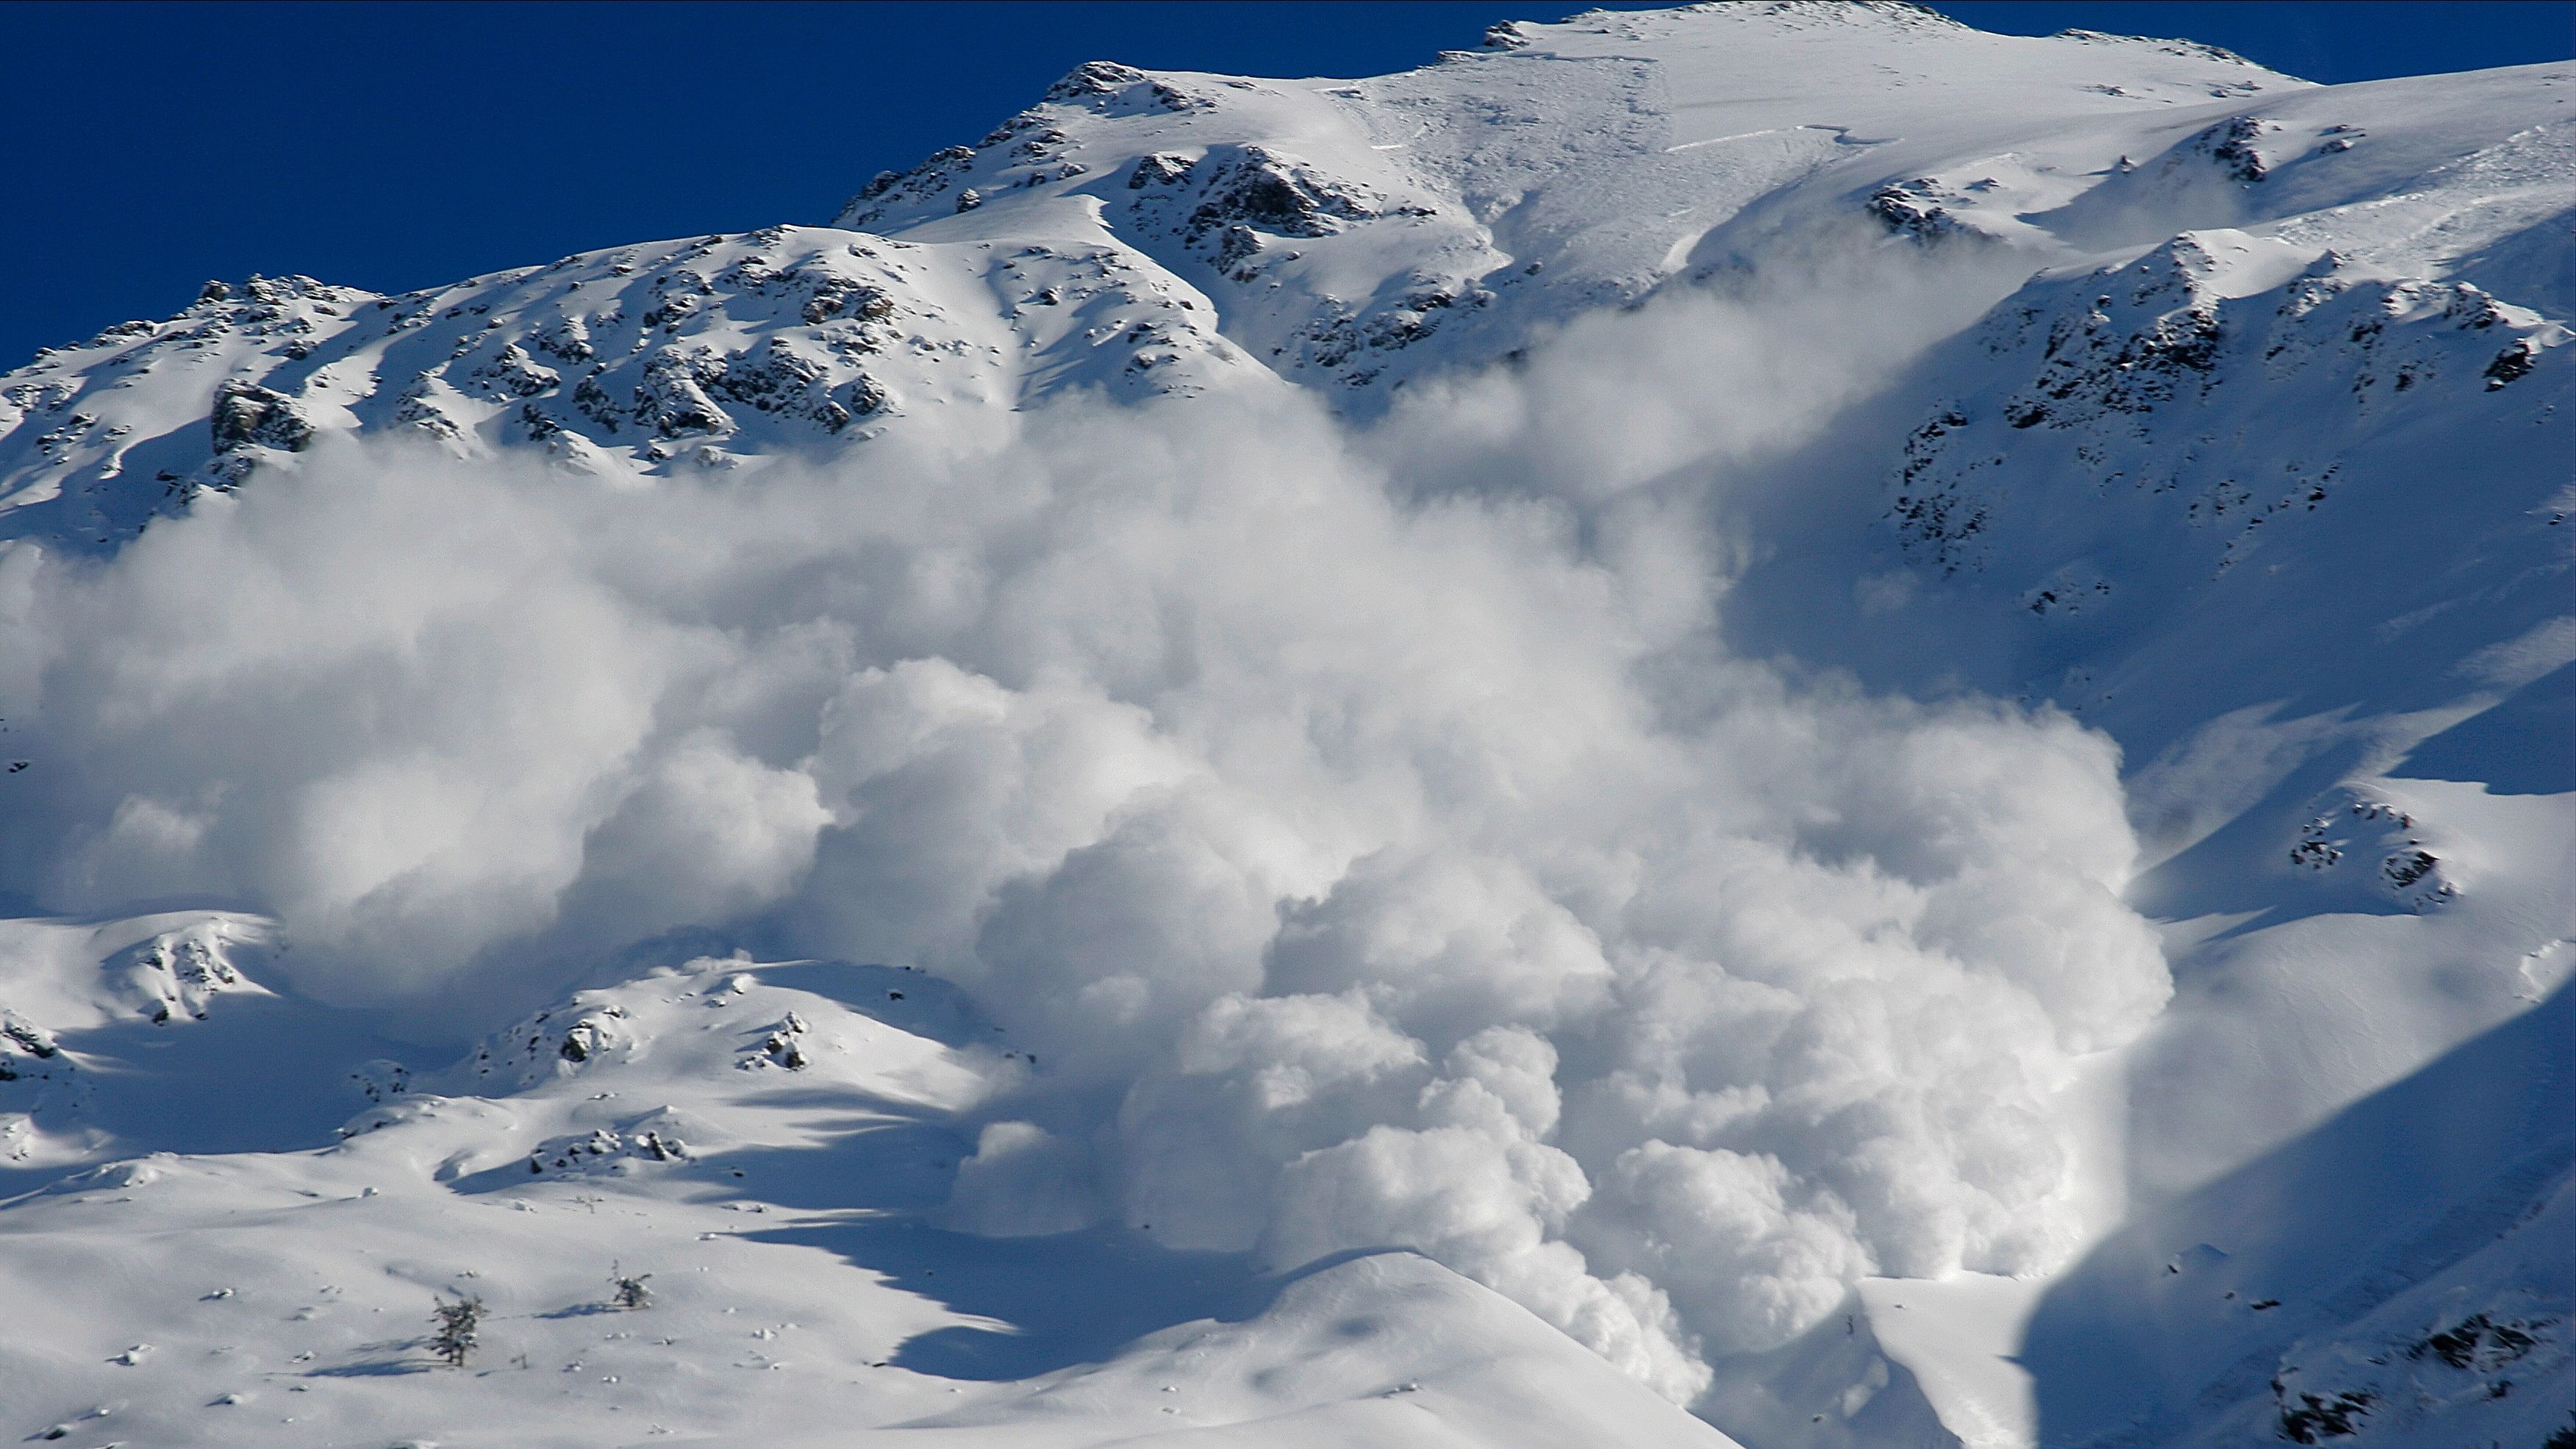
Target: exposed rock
{"points": [[672, 399], [2230, 144], [512, 373], [606, 1150], [1910, 209], [181, 972], [1094, 78], [553, 1043], [246, 414]]}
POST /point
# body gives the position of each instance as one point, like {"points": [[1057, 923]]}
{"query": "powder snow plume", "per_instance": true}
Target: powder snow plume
{"points": [[1365, 827]]}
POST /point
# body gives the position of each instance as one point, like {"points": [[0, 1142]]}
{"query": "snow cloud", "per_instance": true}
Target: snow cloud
{"points": [[1365, 826]]}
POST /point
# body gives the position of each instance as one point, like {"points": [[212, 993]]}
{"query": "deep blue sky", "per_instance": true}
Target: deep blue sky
{"points": [[390, 146]]}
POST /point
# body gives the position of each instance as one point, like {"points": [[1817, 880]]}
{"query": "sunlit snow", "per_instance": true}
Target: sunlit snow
{"points": [[1776, 723]]}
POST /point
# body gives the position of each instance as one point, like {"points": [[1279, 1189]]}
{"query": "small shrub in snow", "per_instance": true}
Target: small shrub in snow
{"points": [[459, 1324], [631, 1292]]}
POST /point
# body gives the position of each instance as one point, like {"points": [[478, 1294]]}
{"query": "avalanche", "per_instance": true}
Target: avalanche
{"points": [[1774, 723]]}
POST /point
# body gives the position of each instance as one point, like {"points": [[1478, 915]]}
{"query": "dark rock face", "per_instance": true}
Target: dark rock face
{"points": [[28, 1050], [672, 399], [1909, 209], [2478, 1342], [2511, 365], [2313, 1417], [2230, 144], [1258, 189], [246, 414], [513, 373], [606, 1150], [1159, 169], [534, 1047], [1094, 78]]}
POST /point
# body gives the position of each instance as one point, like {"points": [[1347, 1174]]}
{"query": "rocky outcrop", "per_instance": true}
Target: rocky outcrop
{"points": [[606, 1151], [246, 414], [555, 1042], [181, 972], [2127, 366]]}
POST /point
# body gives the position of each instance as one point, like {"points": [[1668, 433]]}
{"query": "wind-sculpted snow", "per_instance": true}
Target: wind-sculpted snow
{"points": [[1268, 643]]}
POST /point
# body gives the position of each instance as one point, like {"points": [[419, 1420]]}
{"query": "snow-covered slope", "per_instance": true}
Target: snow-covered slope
{"points": [[2438, 1316], [1289, 628], [756, 1148], [1343, 236]]}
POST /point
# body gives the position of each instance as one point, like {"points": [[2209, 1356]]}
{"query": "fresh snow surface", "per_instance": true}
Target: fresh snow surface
{"points": [[763, 1148], [1768, 724]]}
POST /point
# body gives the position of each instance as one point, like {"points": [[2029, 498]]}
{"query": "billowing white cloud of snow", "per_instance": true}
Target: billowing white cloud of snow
{"points": [[1367, 830]]}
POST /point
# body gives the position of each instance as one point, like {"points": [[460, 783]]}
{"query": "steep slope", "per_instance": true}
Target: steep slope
{"points": [[2439, 1315], [1270, 595], [2173, 469]]}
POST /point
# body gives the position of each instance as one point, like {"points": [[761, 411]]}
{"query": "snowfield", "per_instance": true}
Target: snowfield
{"points": [[1772, 724]]}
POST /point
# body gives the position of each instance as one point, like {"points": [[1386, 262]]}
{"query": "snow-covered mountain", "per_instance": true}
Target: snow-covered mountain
{"points": [[1774, 709]]}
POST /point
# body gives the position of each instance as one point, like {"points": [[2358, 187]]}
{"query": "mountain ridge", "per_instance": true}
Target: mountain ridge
{"points": [[2118, 391]]}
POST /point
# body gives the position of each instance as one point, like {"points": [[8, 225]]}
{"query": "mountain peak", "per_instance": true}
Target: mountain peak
{"points": [[1688, 716]]}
